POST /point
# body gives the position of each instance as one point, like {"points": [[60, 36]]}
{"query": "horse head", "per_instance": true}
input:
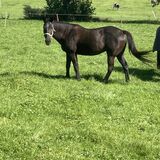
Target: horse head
{"points": [[48, 31]]}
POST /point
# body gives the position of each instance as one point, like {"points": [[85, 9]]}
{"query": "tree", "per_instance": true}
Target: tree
{"points": [[66, 7]]}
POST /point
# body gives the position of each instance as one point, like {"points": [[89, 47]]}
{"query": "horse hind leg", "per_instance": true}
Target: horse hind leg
{"points": [[124, 64], [111, 57]]}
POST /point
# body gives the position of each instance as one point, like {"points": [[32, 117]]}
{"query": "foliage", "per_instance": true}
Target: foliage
{"points": [[72, 10], [33, 13], [78, 7]]}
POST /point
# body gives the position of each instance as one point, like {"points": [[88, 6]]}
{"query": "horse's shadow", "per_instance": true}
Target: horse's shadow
{"points": [[43, 75], [49, 76], [143, 74]]}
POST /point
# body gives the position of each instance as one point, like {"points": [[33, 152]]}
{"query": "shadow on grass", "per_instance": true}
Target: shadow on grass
{"points": [[6, 74], [98, 19], [45, 75], [95, 77], [143, 74]]}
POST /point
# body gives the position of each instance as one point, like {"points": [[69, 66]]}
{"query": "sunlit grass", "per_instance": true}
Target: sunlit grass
{"points": [[46, 116], [43, 115]]}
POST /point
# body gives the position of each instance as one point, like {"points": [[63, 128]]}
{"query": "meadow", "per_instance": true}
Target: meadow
{"points": [[43, 115]]}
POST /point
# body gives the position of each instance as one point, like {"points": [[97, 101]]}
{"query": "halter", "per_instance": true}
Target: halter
{"points": [[51, 35]]}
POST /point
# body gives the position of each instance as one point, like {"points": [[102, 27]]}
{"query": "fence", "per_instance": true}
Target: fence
{"points": [[128, 12]]}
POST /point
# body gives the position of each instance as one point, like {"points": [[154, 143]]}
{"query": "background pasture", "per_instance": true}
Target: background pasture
{"points": [[129, 10], [45, 116]]}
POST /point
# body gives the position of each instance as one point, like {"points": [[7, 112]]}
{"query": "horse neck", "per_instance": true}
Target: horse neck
{"points": [[61, 30]]}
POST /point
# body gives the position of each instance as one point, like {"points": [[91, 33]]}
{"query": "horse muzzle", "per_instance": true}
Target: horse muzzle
{"points": [[48, 43], [48, 38]]}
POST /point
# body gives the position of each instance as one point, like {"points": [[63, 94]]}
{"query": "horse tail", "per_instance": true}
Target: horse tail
{"points": [[132, 49]]}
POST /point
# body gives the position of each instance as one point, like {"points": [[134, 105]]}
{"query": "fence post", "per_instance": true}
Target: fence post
{"points": [[57, 17], [154, 15], [5, 21]]}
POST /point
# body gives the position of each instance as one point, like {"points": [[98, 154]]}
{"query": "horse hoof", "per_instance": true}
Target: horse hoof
{"points": [[105, 81], [127, 80], [67, 76]]}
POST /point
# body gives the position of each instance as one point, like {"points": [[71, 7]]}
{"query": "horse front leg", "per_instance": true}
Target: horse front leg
{"points": [[68, 64], [74, 60]]}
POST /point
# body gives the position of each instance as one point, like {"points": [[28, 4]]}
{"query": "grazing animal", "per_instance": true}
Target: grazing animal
{"points": [[116, 5], [155, 2], [75, 39]]}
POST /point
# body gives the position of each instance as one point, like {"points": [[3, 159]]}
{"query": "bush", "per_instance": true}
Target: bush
{"points": [[71, 9], [33, 13], [67, 10]]}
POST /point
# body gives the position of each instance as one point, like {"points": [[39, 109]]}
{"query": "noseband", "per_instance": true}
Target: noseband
{"points": [[51, 35]]}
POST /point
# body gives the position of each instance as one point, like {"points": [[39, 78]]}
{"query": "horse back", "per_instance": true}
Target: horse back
{"points": [[95, 41], [91, 41]]}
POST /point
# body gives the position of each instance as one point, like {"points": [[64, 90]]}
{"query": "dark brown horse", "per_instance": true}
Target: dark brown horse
{"points": [[75, 39]]}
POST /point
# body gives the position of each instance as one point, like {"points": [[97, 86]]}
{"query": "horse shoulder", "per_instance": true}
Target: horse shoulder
{"points": [[70, 44]]}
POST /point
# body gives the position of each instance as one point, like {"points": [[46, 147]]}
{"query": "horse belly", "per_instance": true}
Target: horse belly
{"points": [[90, 49]]}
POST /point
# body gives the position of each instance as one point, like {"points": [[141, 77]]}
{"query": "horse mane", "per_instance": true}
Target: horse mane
{"points": [[66, 24]]}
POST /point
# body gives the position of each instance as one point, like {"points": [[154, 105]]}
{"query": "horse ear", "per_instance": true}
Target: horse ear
{"points": [[51, 19], [57, 17], [48, 19]]}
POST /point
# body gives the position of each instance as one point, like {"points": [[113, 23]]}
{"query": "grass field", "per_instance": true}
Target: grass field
{"points": [[43, 115], [129, 10]]}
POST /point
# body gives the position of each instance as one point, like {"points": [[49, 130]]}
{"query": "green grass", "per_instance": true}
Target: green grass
{"points": [[15, 7], [46, 116], [129, 10]]}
